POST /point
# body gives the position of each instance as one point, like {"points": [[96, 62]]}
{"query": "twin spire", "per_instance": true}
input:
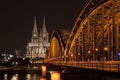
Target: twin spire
{"points": [[44, 26], [35, 25], [35, 31]]}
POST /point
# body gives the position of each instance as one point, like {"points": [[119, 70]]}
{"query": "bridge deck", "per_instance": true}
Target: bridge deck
{"points": [[112, 66]]}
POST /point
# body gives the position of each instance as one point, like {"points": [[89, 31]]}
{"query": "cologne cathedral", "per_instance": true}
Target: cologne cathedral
{"points": [[39, 44]]}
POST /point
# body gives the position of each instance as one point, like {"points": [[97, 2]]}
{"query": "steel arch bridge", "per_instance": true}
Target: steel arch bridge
{"points": [[95, 35], [58, 43]]}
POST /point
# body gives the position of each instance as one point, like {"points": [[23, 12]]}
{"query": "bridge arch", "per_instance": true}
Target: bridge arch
{"points": [[95, 34], [57, 43]]}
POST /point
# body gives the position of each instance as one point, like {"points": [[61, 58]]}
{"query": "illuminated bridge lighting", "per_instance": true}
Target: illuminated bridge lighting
{"points": [[95, 36]]}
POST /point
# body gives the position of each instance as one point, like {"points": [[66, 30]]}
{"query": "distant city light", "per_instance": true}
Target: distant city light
{"points": [[119, 54], [11, 55]]}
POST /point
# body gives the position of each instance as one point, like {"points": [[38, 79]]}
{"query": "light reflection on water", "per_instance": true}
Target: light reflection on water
{"points": [[37, 76], [5, 77], [28, 76], [20, 77], [14, 77]]}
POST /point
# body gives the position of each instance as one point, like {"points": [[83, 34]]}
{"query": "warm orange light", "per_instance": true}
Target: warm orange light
{"points": [[105, 48], [78, 53], [96, 49], [55, 76], [71, 55], [43, 79], [43, 68], [43, 71], [89, 52]]}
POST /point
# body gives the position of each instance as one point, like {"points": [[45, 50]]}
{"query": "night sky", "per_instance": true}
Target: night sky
{"points": [[16, 19]]}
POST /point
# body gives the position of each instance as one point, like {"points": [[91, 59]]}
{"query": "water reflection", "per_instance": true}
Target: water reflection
{"points": [[43, 79], [63, 76], [14, 77], [55, 75], [28, 76], [21, 77], [5, 77]]}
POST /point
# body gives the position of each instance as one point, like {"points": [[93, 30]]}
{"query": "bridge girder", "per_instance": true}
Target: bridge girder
{"points": [[95, 34]]}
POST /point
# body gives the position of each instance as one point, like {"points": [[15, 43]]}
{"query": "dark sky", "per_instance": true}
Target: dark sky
{"points": [[16, 19]]}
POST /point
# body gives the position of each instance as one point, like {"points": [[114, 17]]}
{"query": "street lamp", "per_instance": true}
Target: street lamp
{"points": [[96, 55], [89, 54], [78, 58], [96, 49], [71, 57], [105, 49]]}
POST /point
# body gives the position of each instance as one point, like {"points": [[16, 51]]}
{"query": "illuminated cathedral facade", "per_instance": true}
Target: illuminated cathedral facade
{"points": [[39, 44]]}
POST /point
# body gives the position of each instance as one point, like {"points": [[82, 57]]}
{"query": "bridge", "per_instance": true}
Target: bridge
{"points": [[93, 42]]}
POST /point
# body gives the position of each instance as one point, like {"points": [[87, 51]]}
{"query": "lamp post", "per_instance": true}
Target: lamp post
{"points": [[89, 55], [62, 58], [71, 57], [78, 56], [96, 53], [105, 49]]}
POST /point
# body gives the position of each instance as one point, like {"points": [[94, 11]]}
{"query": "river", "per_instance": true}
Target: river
{"points": [[37, 76], [65, 74]]}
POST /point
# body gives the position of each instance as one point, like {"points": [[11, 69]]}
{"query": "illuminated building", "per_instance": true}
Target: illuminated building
{"points": [[39, 42]]}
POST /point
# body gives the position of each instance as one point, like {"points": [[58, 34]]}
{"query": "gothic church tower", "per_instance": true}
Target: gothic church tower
{"points": [[39, 43], [34, 32], [45, 33]]}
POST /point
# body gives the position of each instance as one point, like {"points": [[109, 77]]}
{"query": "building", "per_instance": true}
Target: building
{"points": [[39, 42]]}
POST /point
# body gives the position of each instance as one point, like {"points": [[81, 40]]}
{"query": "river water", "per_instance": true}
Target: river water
{"points": [[20, 76], [37, 76]]}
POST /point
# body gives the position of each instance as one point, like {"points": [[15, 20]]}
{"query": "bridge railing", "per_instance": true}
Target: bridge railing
{"points": [[112, 66]]}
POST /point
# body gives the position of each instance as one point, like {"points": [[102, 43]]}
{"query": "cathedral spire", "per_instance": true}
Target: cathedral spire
{"points": [[35, 32], [35, 25], [44, 26], [44, 33], [39, 44]]}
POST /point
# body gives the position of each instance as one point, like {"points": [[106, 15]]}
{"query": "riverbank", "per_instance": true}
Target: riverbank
{"points": [[15, 68]]}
